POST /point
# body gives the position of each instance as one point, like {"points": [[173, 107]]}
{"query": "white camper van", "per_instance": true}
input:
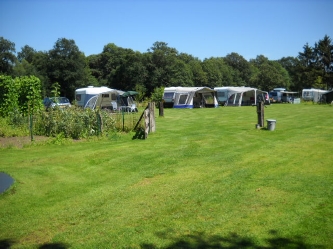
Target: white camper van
{"points": [[83, 95], [312, 94], [114, 100]]}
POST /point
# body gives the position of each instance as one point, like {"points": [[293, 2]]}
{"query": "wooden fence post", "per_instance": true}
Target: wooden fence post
{"points": [[260, 112], [146, 120], [161, 109], [151, 117]]}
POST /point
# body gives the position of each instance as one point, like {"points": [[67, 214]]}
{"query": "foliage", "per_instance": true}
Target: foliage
{"points": [[9, 95], [241, 69], [67, 67], [7, 56], [21, 94], [142, 91], [55, 90], [73, 122], [29, 99], [27, 53], [157, 95], [77, 123], [269, 74], [14, 126]]}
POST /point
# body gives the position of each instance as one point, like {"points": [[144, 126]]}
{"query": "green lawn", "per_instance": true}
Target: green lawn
{"points": [[205, 179]]}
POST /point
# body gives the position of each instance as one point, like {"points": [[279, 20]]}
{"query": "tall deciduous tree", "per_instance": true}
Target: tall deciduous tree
{"points": [[269, 74], [24, 65], [241, 69], [27, 53], [198, 76], [161, 62], [293, 65], [67, 66], [96, 70], [41, 64], [7, 56], [218, 72], [131, 72]]}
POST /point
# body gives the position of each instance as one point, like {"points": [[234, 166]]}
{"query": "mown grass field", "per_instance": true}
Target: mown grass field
{"points": [[205, 179]]}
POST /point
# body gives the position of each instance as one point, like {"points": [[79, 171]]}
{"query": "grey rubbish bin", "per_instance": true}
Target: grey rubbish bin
{"points": [[271, 124]]}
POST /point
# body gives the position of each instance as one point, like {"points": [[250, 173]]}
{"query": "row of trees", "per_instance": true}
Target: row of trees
{"points": [[163, 66]]}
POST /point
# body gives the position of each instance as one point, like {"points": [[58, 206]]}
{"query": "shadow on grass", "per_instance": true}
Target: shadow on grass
{"points": [[139, 134], [233, 241], [8, 243], [200, 240], [53, 246]]}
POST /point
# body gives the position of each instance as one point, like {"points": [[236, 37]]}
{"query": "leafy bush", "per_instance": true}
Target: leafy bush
{"points": [[21, 94], [8, 129], [80, 123]]}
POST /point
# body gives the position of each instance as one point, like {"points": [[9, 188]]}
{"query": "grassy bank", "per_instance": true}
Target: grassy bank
{"points": [[205, 179]]}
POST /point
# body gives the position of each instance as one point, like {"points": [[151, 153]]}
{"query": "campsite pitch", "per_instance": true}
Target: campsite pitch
{"points": [[207, 178]]}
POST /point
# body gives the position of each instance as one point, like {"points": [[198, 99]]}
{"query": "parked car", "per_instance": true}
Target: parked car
{"points": [[61, 102]]}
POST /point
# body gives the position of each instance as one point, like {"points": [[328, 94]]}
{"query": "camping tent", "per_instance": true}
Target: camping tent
{"points": [[104, 100], [289, 97], [328, 97], [238, 96], [190, 97]]}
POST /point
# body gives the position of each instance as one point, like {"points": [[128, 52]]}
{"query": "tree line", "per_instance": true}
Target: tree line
{"points": [[162, 66]]}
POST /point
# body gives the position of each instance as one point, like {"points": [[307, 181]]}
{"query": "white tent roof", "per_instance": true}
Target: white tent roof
{"points": [[93, 90], [236, 89], [188, 89]]}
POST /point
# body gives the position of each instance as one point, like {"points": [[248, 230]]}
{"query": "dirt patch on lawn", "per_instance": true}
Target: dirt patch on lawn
{"points": [[19, 142]]}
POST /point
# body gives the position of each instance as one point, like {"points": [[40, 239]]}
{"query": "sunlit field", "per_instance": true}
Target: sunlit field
{"points": [[207, 178]]}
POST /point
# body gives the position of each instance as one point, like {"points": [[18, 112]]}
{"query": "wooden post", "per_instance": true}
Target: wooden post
{"points": [[146, 119], [260, 112], [152, 117], [161, 110], [31, 127]]}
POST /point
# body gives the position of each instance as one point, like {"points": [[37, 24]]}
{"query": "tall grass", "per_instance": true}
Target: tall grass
{"points": [[205, 179]]}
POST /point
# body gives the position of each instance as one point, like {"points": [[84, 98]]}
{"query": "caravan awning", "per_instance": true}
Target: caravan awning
{"points": [[129, 93]]}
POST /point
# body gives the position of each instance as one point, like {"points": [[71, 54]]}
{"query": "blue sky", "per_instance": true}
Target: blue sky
{"points": [[204, 29]]}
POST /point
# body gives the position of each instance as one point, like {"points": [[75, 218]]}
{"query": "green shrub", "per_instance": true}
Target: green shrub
{"points": [[79, 123], [22, 94], [10, 129]]}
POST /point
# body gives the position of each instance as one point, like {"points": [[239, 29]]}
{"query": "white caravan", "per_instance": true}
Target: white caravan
{"points": [[83, 95], [312, 94]]}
